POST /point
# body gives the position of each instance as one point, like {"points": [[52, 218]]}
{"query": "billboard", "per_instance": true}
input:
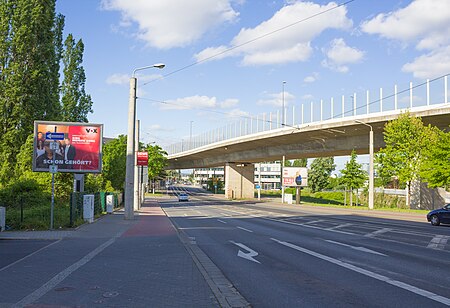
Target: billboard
{"points": [[295, 176], [77, 147]]}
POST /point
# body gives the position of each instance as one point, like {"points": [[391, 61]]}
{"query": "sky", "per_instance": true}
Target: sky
{"points": [[227, 59]]}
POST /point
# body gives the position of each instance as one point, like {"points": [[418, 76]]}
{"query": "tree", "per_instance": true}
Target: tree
{"points": [[76, 104], [157, 161], [320, 172], [353, 176], [436, 164], [30, 35], [403, 155], [302, 162], [114, 162]]}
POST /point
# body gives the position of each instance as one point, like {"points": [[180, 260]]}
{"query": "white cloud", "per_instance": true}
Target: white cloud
{"points": [[228, 103], [425, 23], [172, 23], [190, 102], [280, 39], [119, 79], [235, 113], [160, 128], [307, 97], [311, 78], [276, 99], [339, 54], [124, 79], [431, 65]]}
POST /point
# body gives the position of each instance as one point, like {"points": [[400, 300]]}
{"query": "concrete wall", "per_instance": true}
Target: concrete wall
{"points": [[425, 198], [239, 181]]}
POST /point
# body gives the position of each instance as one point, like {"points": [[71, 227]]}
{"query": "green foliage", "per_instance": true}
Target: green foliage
{"points": [[23, 192], [215, 181], [29, 68], [403, 155], [436, 164], [114, 162], [319, 173], [302, 162], [76, 104], [353, 176], [157, 161]]}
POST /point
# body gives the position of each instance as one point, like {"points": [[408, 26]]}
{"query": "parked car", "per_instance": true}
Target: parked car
{"points": [[436, 217], [183, 197]]}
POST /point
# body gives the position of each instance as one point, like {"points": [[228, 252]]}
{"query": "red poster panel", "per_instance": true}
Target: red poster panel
{"points": [[142, 158], [74, 147]]}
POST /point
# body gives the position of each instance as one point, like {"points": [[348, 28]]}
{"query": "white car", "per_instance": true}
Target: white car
{"points": [[183, 197]]}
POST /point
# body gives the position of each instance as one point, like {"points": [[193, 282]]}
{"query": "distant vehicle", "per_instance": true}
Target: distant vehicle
{"points": [[183, 197], [436, 217]]}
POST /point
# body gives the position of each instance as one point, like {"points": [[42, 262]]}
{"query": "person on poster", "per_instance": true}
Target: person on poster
{"points": [[69, 153], [40, 144], [44, 160]]}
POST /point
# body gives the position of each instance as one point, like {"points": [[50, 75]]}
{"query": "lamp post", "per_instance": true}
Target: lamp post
{"points": [[129, 175], [371, 179], [282, 111]]}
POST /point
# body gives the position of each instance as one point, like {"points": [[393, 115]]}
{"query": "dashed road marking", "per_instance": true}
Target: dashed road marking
{"points": [[363, 249], [402, 285], [242, 228], [378, 232], [339, 226], [219, 220]]}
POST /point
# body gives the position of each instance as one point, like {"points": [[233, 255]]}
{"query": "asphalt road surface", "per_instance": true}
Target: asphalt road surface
{"points": [[279, 256]]}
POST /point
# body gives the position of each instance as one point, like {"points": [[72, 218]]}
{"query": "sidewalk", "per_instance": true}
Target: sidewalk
{"points": [[110, 263]]}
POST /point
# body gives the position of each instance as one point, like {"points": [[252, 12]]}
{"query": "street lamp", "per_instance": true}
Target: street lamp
{"points": [[131, 155], [371, 188]]}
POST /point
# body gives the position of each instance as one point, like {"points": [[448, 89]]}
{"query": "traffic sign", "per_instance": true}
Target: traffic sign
{"points": [[257, 186], [54, 146], [53, 168], [54, 136]]}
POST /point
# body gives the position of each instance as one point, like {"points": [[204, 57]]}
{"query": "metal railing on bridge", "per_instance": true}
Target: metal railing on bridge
{"points": [[428, 93]]}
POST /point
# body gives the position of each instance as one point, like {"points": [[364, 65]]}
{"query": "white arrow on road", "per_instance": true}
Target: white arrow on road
{"points": [[249, 255]]}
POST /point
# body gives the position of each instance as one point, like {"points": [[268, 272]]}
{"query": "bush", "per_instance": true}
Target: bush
{"points": [[23, 192]]}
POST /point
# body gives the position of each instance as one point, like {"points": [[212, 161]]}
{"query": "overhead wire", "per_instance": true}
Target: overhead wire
{"points": [[248, 42]]}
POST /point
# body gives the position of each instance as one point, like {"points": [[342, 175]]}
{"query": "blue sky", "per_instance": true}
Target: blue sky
{"points": [[361, 46]]}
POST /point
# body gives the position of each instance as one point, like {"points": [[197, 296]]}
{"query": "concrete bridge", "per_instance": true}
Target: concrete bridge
{"points": [[331, 137]]}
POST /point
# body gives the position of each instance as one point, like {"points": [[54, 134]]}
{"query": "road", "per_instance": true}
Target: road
{"points": [[297, 256]]}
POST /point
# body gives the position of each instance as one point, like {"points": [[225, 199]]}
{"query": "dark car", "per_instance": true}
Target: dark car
{"points": [[436, 217]]}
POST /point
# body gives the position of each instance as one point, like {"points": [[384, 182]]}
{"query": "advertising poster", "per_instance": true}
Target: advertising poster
{"points": [[74, 147], [295, 176]]}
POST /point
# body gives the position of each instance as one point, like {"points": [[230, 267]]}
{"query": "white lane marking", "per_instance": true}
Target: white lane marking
{"points": [[224, 222], [405, 286], [249, 255], [299, 224], [49, 285], [375, 233], [27, 256], [363, 249], [242, 228], [312, 222], [438, 242], [339, 226]]}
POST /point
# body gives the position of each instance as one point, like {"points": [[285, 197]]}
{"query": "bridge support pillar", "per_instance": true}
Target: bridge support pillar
{"points": [[239, 181]]}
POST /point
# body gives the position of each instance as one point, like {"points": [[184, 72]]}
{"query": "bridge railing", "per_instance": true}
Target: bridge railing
{"points": [[430, 92]]}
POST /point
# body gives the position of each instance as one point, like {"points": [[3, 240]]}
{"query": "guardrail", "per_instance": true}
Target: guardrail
{"points": [[424, 94]]}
